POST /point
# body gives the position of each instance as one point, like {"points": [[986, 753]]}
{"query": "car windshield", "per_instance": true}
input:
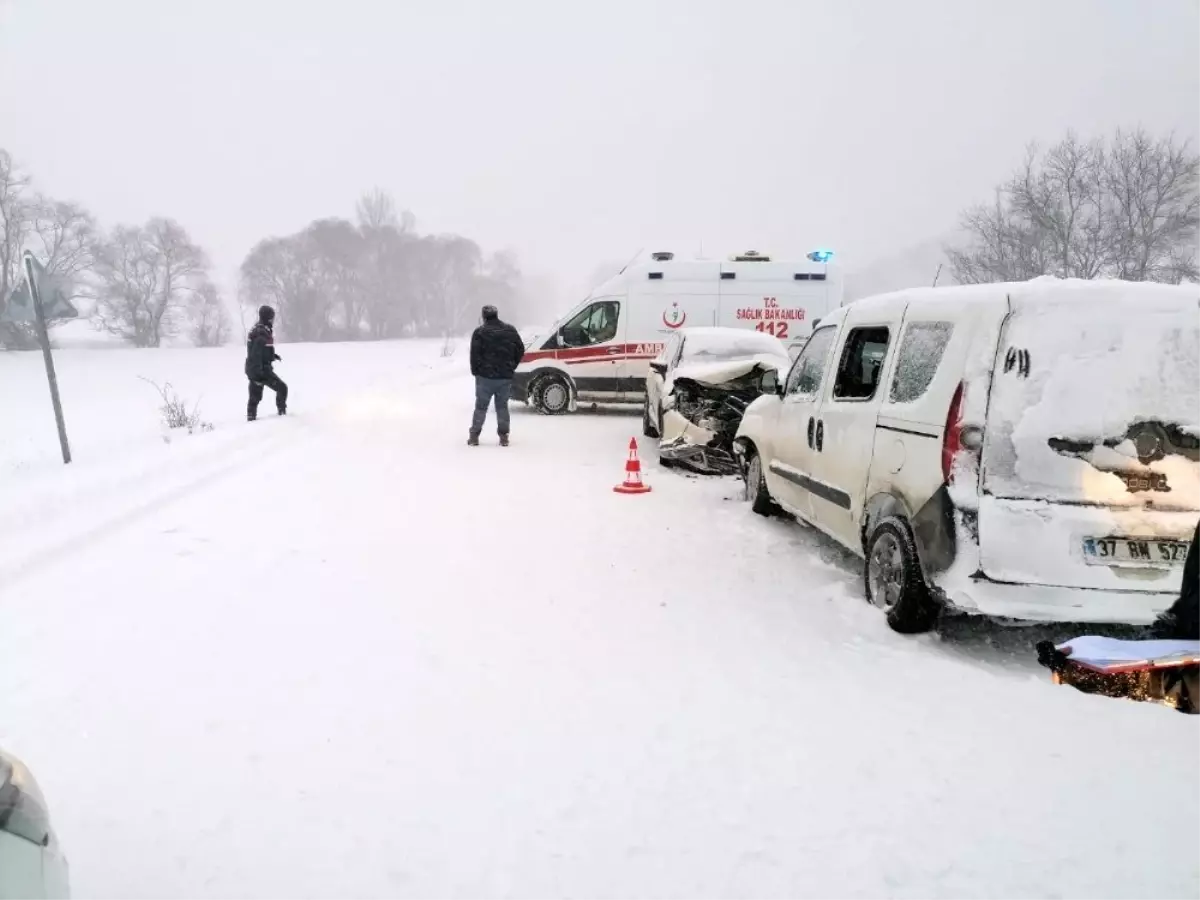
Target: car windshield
{"points": [[717, 347]]}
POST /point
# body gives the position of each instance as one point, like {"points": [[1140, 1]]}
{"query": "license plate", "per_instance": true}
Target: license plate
{"points": [[1111, 551], [1144, 481]]}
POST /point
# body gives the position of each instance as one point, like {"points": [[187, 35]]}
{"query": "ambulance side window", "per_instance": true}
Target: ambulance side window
{"points": [[594, 324]]}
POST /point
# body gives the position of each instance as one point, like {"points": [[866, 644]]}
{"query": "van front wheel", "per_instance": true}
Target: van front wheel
{"points": [[552, 395], [756, 488], [893, 580]]}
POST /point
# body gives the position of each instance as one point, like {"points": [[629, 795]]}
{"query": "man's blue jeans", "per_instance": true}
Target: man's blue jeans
{"points": [[488, 390]]}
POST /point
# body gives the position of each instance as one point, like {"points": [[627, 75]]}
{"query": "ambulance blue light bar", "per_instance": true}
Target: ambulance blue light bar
{"points": [[821, 256]]}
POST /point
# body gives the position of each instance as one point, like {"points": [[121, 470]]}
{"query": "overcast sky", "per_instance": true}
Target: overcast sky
{"points": [[576, 132]]}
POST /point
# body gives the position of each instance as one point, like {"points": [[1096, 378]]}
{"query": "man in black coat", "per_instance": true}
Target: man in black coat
{"points": [[260, 359], [496, 350]]}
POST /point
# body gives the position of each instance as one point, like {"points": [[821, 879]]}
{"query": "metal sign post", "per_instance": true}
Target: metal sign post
{"points": [[44, 339]]}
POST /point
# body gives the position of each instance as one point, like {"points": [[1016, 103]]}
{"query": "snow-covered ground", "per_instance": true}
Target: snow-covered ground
{"points": [[342, 654]]}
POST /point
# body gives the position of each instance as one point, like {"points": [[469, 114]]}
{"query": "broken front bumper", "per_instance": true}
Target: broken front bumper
{"points": [[695, 447]]}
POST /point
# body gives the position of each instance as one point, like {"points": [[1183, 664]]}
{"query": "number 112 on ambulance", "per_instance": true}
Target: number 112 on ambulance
{"points": [[771, 317]]}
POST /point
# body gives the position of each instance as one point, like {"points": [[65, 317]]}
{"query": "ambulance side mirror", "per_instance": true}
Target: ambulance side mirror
{"points": [[659, 367]]}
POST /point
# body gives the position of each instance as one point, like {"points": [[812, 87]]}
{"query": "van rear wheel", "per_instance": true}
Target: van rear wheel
{"points": [[893, 581], [552, 395]]}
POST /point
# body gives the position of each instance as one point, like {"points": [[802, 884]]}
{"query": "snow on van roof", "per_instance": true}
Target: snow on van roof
{"points": [[1048, 290]]}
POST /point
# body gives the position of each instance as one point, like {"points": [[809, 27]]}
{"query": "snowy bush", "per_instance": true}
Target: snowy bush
{"points": [[175, 412], [447, 347]]}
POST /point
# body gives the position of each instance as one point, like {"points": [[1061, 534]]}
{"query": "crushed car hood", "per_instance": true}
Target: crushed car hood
{"points": [[718, 373], [703, 408]]}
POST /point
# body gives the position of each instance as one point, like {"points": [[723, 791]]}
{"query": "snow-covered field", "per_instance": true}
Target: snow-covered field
{"points": [[342, 654]]}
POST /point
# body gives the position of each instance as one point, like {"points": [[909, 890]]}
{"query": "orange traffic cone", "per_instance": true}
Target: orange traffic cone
{"points": [[633, 483]]}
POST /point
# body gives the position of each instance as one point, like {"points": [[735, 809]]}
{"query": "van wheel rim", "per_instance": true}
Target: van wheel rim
{"points": [[753, 479], [885, 571], [554, 396]]}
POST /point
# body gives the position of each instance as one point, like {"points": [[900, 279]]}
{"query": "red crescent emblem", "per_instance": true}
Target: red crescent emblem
{"points": [[679, 316]]}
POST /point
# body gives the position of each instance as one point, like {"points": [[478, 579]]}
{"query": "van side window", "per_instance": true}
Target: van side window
{"points": [[808, 370], [861, 365], [921, 350], [594, 324]]}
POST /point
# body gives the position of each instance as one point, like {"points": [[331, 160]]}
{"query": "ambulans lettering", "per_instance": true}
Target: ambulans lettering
{"points": [[650, 350], [771, 317]]}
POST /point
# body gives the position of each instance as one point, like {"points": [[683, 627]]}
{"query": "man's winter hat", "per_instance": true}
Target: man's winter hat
{"points": [[266, 314], [490, 312]]}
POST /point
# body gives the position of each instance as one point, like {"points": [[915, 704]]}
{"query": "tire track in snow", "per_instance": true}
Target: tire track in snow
{"points": [[228, 461]]}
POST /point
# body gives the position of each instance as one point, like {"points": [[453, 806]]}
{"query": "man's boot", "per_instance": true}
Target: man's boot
{"points": [[504, 440], [472, 440]]}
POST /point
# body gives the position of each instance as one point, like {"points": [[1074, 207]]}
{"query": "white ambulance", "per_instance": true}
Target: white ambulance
{"points": [[601, 350]]}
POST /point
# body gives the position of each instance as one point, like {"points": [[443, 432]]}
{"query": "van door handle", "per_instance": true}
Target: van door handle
{"points": [[810, 432], [820, 436]]}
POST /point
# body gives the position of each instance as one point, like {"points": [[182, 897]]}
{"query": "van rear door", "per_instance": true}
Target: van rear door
{"points": [[1091, 457]]}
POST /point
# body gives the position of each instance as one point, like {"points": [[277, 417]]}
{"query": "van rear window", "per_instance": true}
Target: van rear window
{"points": [[921, 351]]}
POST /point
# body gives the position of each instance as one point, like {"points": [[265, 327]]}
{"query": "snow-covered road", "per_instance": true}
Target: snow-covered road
{"points": [[342, 654]]}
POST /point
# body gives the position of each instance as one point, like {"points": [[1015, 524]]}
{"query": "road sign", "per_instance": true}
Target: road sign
{"points": [[55, 305], [35, 280]]}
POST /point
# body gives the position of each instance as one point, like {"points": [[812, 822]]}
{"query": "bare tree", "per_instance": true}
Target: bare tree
{"points": [[210, 322], [376, 211], [1155, 190], [16, 223], [61, 234], [1126, 208], [280, 272], [145, 278], [336, 250], [379, 279]]}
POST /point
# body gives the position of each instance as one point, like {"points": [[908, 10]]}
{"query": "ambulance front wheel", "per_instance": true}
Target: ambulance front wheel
{"points": [[552, 395]]}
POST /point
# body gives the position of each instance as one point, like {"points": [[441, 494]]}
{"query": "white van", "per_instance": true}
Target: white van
{"points": [[1027, 451], [601, 349]]}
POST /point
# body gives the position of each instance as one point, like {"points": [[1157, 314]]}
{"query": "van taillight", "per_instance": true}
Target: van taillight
{"points": [[952, 437]]}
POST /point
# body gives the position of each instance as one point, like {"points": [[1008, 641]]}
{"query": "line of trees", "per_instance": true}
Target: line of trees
{"points": [[370, 279], [376, 278], [143, 283], [1124, 207]]}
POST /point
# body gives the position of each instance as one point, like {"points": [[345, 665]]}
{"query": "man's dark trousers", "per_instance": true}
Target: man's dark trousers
{"points": [[275, 383], [489, 390]]}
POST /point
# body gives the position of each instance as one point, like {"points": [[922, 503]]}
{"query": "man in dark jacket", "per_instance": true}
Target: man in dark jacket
{"points": [[260, 358], [496, 350]]}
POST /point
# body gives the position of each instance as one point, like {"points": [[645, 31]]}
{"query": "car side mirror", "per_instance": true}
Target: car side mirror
{"points": [[659, 367], [769, 383]]}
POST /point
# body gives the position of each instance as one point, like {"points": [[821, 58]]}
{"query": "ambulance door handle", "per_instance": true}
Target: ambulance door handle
{"points": [[613, 350], [810, 432], [820, 435]]}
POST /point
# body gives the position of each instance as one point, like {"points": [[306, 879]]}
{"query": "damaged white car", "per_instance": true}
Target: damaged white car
{"points": [[699, 387]]}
